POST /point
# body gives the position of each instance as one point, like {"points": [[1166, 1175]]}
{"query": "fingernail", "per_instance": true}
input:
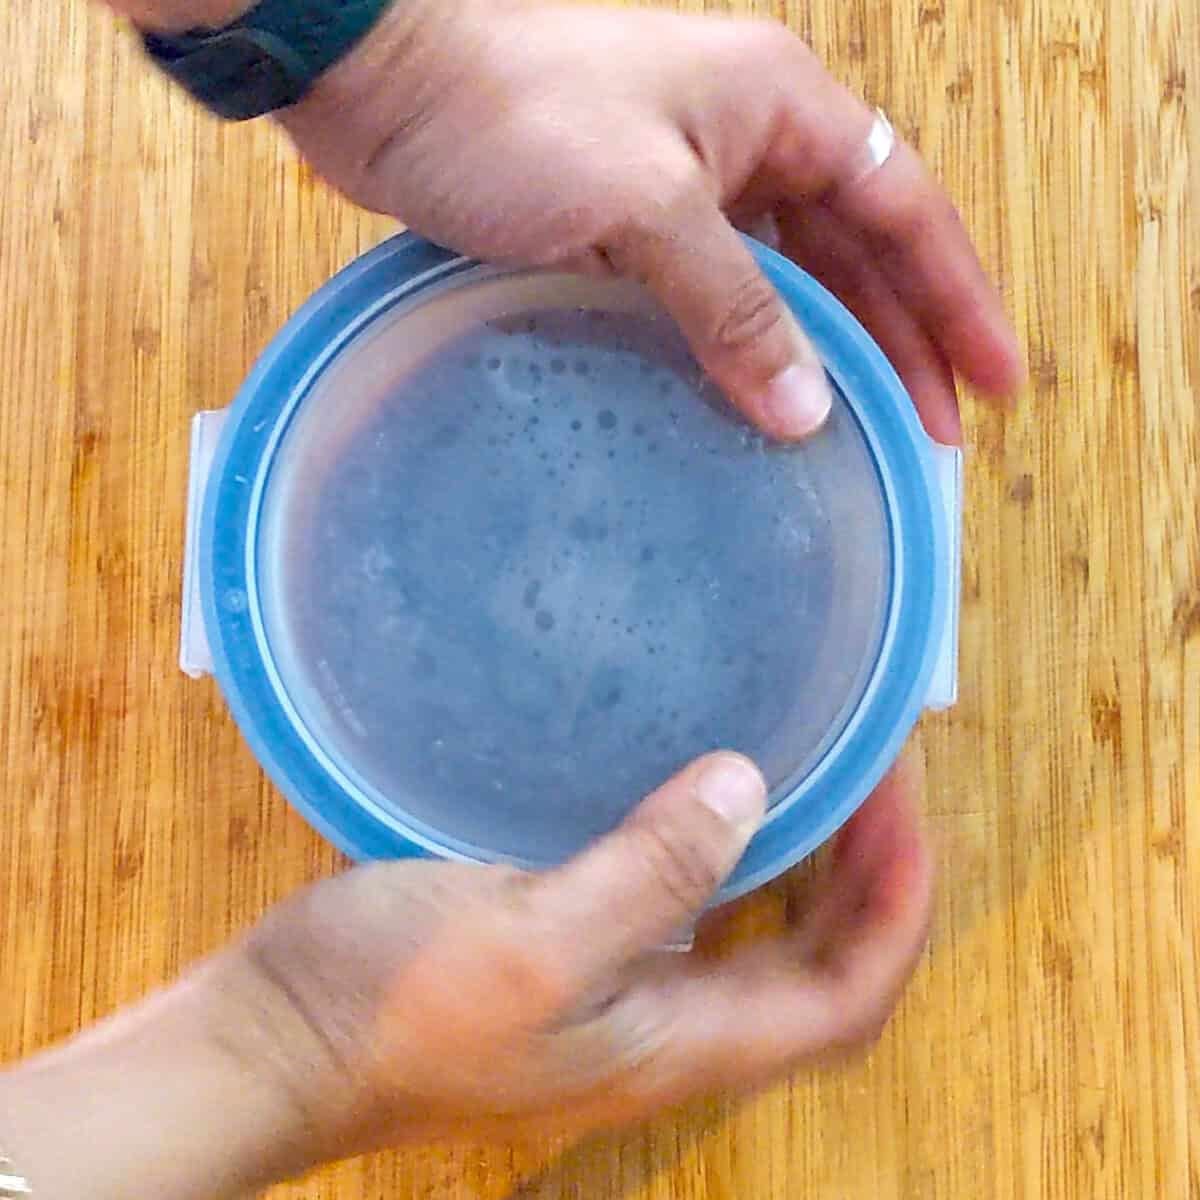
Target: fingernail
{"points": [[798, 400], [733, 788]]}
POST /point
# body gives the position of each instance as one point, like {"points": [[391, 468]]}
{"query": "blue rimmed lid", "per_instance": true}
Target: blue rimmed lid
{"points": [[484, 557]]}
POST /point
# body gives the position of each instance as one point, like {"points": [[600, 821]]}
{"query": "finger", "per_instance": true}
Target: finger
{"points": [[814, 237], [772, 1008], [739, 328], [920, 242], [905, 216], [635, 888], [852, 880]]}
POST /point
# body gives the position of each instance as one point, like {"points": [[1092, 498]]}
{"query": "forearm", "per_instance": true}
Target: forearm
{"points": [[164, 1100], [174, 16]]}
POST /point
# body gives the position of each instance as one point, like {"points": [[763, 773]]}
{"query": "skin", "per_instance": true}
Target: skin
{"points": [[538, 133], [408, 1001], [411, 1000], [545, 134]]}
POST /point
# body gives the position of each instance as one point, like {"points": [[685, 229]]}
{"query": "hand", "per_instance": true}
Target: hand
{"points": [[454, 1000], [627, 141], [411, 1000]]}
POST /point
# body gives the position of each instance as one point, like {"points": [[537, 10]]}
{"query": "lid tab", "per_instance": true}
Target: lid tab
{"points": [[943, 687], [195, 658]]}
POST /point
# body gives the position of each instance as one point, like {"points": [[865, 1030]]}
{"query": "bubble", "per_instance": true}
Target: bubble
{"points": [[557, 366], [544, 620], [582, 368], [638, 429], [493, 363], [585, 529], [607, 419], [576, 425]]}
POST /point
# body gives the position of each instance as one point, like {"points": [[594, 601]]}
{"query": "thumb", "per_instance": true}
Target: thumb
{"points": [[636, 887], [740, 330]]}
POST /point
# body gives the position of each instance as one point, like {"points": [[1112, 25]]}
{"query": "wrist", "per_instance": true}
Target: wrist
{"points": [[168, 1099], [390, 83]]}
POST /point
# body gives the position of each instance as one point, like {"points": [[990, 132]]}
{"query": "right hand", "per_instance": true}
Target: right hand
{"points": [[414, 1000], [627, 141]]}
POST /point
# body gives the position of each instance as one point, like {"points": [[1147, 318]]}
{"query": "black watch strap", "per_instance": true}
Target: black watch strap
{"points": [[268, 58]]}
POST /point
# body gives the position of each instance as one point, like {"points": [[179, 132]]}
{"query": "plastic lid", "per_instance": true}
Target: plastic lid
{"points": [[488, 559], [520, 562]]}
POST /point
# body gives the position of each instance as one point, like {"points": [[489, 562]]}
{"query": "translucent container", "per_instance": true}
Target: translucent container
{"points": [[479, 557]]}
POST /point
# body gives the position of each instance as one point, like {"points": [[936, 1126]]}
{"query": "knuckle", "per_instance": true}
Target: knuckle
{"points": [[680, 864], [915, 222], [772, 52], [519, 966], [774, 41], [619, 250], [682, 186], [751, 312], [863, 1029], [918, 220], [527, 974], [653, 207], [769, 40], [522, 978], [866, 1034]]}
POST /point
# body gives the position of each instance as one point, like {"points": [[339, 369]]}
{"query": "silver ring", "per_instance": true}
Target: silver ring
{"points": [[876, 150]]}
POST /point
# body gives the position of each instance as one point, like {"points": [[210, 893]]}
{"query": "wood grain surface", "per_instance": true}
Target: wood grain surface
{"points": [[1050, 1044]]}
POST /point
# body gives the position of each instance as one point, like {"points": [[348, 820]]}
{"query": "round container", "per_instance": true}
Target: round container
{"points": [[484, 558]]}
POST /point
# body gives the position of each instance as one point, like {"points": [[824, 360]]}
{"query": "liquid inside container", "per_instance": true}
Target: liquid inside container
{"points": [[518, 561]]}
